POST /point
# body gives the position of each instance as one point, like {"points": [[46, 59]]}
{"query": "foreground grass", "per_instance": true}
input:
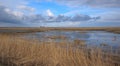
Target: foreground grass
{"points": [[15, 51]]}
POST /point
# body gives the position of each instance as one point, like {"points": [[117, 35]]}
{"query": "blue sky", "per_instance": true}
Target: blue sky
{"points": [[54, 7], [58, 9], [59, 13]]}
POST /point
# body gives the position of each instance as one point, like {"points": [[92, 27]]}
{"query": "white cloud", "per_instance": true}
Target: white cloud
{"points": [[17, 7], [26, 8], [49, 13], [7, 10], [18, 14], [73, 23], [15, 13]]}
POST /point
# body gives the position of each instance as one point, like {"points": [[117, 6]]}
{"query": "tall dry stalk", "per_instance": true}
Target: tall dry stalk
{"points": [[16, 51]]}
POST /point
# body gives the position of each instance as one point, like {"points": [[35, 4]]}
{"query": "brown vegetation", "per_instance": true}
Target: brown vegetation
{"points": [[17, 51], [42, 29]]}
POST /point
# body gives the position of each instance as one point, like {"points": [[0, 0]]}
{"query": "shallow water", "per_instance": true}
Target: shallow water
{"points": [[90, 37]]}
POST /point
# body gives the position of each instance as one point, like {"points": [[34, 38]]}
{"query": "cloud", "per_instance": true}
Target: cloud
{"points": [[109, 17], [18, 7], [60, 18], [7, 17], [26, 8], [49, 13], [81, 18], [34, 18], [91, 3], [13, 3], [15, 13], [75, 18], [11, 17]]}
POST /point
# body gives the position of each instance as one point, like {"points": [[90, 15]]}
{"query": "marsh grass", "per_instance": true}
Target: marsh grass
{"points": [[17, 51], [44, 29]]}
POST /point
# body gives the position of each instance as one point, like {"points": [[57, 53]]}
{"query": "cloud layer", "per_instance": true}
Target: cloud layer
{"points": [[91, 3], [15, 17], [20, 12], [7, 17], [26, 8], [60, 18]]}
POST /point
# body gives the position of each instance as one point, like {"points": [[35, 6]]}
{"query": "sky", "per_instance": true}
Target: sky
{"points": [[59, 13]]}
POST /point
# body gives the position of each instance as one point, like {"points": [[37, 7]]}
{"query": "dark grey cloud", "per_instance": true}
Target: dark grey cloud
{"points": [[81, 18], [75, 18], [34, 18], [97, 18], [6, 17], [59, 18], [92, 3], [62, 18]]}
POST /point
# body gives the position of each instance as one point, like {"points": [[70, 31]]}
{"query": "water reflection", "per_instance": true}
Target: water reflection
{"points": [[90, 37]]}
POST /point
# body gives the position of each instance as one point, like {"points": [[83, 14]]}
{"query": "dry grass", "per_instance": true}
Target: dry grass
{"points": [[42, 29], [15, 51]]}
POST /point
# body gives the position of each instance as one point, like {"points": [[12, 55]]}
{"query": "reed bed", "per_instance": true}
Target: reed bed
{"points": [[16, 51]]}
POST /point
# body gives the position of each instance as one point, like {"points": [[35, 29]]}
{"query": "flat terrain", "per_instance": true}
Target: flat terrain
{"points": [[18, 50], [41, 29]]}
